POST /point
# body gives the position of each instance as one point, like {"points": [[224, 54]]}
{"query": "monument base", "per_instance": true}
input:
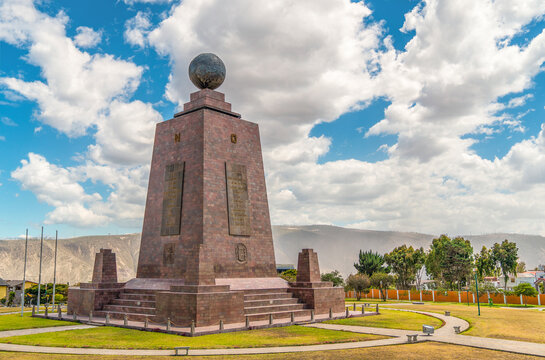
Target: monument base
{"points": [[314, 293], [202, 304], [91, 297], [320, 296]]}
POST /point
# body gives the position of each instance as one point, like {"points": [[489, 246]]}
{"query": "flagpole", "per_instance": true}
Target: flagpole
{"points": [[24, 276], [40, 274], [55, 267]]}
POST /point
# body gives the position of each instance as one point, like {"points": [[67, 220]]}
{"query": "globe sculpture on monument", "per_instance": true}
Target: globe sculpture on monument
{"points": [[207, 250]]}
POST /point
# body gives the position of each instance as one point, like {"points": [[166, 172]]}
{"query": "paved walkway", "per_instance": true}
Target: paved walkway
{"points": [[9, 333], [444, 334]]}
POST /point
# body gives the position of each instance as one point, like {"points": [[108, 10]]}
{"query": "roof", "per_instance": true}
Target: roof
{"points": [[15, 282], [525, 275], [3, 282]]}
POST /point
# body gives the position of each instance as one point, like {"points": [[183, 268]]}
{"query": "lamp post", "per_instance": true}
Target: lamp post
{"points": [[477, 288], [40, 272], [55, 267], [24, 276]]}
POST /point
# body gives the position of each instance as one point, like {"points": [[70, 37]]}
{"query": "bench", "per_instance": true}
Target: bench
{"points": [[418, 303], [428, 329], [177, 350], [412, 338], [457, 329], [447, 313]]}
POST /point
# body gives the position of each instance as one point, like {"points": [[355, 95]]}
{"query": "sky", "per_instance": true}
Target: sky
{"points": [[405, 115]]}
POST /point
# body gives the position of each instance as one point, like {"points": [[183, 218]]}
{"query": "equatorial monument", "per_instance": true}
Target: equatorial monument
{"points": [[207, 250]]}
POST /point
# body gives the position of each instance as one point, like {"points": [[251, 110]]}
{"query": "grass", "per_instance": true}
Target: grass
{"points": [[16, 322], [420, 351], [392, 320], [119, 338], [511, 324]]}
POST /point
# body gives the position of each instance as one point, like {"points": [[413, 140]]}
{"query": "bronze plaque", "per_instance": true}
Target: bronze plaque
{"points": [[172, 199], [238, 202]]}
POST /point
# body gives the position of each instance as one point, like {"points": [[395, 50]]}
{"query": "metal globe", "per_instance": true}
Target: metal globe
{"points": [[207, 71]]}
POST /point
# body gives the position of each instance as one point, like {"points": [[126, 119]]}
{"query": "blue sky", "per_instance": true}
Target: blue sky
{"points": [[389, 115]]}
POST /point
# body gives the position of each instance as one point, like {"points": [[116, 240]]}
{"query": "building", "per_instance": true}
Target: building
{"points": [[7, 286], [530, 277], [4, 286]]}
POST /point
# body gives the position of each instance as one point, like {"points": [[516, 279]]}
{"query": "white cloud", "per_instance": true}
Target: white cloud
{"points": [[87, 37], [2, 138], [7, 121], [137, 29], [293, 64], [79, 86], [82, 91], [289, 64], [519, 101], [132, 2]]}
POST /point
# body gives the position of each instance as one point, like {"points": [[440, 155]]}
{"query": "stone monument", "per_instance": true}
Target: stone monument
{"points": [[207, 251]]}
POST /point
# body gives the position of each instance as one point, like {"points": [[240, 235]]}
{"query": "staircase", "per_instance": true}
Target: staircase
{"points": [[136, 304], [258, 304]]}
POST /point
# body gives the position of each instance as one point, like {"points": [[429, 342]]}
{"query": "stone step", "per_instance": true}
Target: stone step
{"points": [[273, 308], [121, 315], [139, 291], [265, 291], [130, 309], [265, 296], [133, 302], [280, 315], [267, 302], [141, 297]]}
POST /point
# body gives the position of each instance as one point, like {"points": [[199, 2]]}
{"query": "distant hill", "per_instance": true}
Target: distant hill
{"points": [[75, 257], [337, 248]]}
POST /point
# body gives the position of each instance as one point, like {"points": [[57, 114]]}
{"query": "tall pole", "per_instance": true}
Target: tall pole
{"points": [[477, 288], [40, 273], [24, 276], [55, 266]]}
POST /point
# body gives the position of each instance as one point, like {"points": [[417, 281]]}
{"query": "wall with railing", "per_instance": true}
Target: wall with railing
{"points": [[450, 296]]}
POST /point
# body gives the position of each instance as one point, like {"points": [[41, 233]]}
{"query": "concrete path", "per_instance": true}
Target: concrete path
{"points": [[9, 333], [445, 334]]}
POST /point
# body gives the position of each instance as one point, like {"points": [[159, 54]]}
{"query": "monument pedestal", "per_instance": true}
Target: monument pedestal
{"points": [[316, 294], [205, 305], [100, 291]]}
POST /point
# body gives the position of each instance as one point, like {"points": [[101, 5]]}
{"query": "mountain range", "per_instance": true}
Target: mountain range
{"points": [[337, 249]]}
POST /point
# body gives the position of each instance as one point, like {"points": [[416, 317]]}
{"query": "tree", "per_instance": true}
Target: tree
{"points": [[335, 277], [405, 262], [521, 267], [484, 262], [370, 262], [46, 293], [450, 261], [525, 290], [506, 255], [289, 275], [382, 281], [359, 283]]}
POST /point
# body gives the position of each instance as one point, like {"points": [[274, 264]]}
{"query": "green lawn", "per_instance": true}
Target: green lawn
{"points": [[511, 324], [392, 320], [119, 338], [420, 351], [16, 322]]}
